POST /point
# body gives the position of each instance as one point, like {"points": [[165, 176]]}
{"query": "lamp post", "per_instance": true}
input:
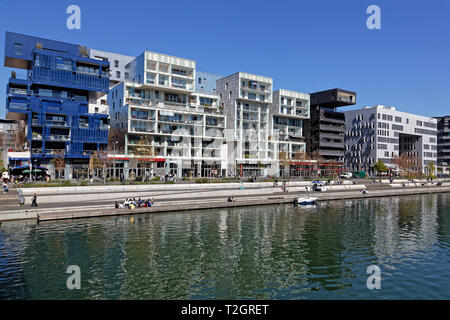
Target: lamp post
{"points": [[114, 165]]}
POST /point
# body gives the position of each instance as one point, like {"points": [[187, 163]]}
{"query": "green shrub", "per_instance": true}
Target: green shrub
{"points": [[201, 180]]}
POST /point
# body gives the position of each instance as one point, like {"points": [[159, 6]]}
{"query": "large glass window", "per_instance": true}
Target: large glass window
{"points": [[18, 48]]}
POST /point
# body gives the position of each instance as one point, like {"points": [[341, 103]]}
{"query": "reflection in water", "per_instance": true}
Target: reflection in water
{"points": [[269, 252]]}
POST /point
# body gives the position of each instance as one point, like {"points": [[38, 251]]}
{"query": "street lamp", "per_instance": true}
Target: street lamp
{"points": [[114, 165]]}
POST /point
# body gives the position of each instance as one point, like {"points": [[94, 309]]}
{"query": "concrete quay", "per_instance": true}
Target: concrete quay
{"points": [[255, 197]]}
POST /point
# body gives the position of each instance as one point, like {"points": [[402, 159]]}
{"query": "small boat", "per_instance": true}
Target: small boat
{"points": [[305, 200]]}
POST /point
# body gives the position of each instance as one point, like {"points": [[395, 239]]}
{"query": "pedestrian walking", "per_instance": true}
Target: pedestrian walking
{"points": [[34, 200], [5, 187], [20, 195]]}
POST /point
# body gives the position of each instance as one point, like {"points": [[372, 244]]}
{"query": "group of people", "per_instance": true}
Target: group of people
{"points": [[20, 195], [22, 198], [133, 203]]}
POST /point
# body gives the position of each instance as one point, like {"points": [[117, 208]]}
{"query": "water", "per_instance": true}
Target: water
{"points": [[266, 252]]}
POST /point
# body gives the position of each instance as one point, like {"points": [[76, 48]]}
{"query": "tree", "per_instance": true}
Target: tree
{"points": [[285, 162], [317, 157], [431, 168], [145, 151], [18, 137], [95, 163], [409, 165], [380, 166], [300, 155], [59, 163], [116, 135]]}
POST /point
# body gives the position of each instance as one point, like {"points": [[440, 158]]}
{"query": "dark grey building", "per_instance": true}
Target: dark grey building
{"points": [[443, 142], [325, 131]]}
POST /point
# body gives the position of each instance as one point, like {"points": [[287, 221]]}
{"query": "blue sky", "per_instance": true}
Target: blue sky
{"points": [[303, 45]]}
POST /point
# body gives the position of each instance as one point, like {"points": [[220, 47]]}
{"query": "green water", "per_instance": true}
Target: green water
{"points": [[265, 252]]}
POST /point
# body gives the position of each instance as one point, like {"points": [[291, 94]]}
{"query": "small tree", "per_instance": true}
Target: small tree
{"points": [[380, 166], [317, 157], [95, 163], [409, 165], [285, 162], [58, 163], [431, 168]]}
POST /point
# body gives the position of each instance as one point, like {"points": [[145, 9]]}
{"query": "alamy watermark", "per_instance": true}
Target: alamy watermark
{"points": [[74, 280], [373, 22], [374, 280], [74, 20]]}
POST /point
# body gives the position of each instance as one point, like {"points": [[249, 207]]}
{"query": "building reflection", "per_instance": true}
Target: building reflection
{"points": [[265, 252]]}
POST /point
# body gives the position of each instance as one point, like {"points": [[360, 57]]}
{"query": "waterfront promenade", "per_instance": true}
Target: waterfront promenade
{"points": [[96, 201]]}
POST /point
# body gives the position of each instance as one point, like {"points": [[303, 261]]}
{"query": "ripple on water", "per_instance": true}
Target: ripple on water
{"points": [[271, 252]]}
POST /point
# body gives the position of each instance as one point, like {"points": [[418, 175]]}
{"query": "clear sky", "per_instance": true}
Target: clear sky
{"points": [[305, 45]]}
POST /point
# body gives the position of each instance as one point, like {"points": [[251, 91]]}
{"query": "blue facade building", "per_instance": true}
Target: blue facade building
{"points": [[61, 87]]}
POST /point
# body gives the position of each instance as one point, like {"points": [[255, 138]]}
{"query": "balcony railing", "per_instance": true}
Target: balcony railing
{"points": [[17, 91], [55, 151], [36, 136], [55, 123], [58, 137], [17, 105]]}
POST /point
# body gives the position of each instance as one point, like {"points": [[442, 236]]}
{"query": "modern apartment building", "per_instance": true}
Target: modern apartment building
{"points": [[326, 128], [117, 73], [63, 83], [443, 142], [287, 113], [167, 127], [382, 133], [246, 99]]}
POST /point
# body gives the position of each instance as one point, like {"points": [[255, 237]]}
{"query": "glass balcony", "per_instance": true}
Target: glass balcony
{"points": [[18, 105], [18, 91], [55, 151], [55, 123], [58, 137]]}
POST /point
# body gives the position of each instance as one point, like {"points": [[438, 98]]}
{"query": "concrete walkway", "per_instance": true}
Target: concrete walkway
{"points": [[207, 199]]}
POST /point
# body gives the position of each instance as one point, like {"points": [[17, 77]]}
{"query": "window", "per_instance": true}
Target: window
{"points": [[199, 80], [127, 75], [18, 48], [116, 63], [398, 119], [117, 74]]}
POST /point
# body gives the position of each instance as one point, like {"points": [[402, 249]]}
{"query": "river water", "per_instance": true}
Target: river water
{"points": [[261, 252]]}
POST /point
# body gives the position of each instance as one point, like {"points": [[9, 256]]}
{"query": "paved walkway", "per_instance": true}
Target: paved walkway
{"points": [[199, 200]]}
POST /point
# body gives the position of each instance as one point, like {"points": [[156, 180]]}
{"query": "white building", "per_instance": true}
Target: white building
{"points": [[167, 126], [287, 112], [382, 133], [117, 73], [246, 99]]}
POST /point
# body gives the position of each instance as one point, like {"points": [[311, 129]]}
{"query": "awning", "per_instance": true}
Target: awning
{"points": [[27, 167]]}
